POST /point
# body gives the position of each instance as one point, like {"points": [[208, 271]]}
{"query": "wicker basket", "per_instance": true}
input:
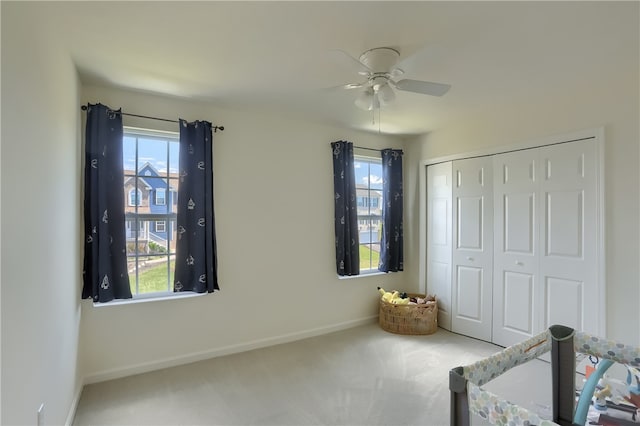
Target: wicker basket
{"points": [[409, 319]]}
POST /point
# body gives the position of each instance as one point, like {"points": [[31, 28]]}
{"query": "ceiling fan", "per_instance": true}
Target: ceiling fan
{"points": [[380, 67]]}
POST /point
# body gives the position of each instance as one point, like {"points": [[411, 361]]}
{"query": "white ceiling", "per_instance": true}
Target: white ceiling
{"points": [[276, 54]]}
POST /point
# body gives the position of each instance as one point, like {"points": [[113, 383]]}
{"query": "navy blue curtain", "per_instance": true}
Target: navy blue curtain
{"points": [[105, 275], [391, 246], [346, 213], [196, 259]]}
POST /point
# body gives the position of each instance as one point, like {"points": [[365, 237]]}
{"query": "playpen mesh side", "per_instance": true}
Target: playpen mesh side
{"points": [[493, 366], [492, 407], [497, 410], [607, 349]]}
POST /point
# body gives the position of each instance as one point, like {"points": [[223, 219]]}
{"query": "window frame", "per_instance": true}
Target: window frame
{"points": [[370, 218], [141, 218]]}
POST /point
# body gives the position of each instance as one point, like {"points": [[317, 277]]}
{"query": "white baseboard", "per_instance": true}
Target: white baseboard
{"points": [[74, 404], [117, 373]]}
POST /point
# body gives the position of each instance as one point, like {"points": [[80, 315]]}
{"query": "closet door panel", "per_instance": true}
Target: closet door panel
{"points": [[517, 306], [563, 302], [472, 247], [519, 222], [564, 219], [568, 259], [439, 239], [469, 288], [469, 220], [516, 222]]}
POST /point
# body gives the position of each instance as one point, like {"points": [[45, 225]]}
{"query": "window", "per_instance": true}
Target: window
{"points": [[135, 197], [161, 197], [368, 173], [135, 229], [150, 162], [367, 201]]}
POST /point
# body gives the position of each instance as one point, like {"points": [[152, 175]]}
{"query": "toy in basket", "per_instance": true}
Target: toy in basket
{"points": [[412, 313]]}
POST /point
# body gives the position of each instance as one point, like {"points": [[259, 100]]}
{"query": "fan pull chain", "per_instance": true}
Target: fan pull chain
{"points": [[373, 118]]}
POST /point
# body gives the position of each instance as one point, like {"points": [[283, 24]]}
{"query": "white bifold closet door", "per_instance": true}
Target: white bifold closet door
{"points": [[472, 280], [545, 258], [439, 239], [516, 247]]}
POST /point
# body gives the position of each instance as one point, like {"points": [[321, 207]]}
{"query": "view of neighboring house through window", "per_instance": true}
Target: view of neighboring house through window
{"points": [[160, 196], [135, 197], [368, 172], [150, 182]]}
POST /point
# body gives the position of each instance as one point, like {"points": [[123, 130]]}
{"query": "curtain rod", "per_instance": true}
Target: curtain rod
{"points": [[214, 128], [370, 149]]}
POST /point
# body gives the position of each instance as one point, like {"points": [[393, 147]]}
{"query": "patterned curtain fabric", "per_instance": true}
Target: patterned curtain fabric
{"points": [[391, 246], [196, 259], [346, 213], [105, 275]]}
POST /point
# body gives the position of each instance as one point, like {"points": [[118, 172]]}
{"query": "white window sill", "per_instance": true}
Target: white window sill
{"points": [[371, 274], [150, 298]]}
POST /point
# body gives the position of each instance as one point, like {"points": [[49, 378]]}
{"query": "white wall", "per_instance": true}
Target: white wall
{"points": [[273, 183], [40, 223], [612, 102]]}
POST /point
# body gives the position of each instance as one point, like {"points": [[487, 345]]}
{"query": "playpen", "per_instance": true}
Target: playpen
{"points": [[468, 397]]}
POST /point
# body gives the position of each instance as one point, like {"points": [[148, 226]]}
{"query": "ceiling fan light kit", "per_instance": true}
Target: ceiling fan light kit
{"points": [[368, 100], [380, 67], [385, 94]]}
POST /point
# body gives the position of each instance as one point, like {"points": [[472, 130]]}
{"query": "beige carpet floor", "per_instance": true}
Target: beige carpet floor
{"points": [[360, 376]]}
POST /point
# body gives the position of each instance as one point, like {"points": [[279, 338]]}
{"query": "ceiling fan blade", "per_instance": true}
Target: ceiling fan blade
{"points": [[354, 85], [423, 87], [423, 58], [396, 72], [349, 61], [345, 86]]}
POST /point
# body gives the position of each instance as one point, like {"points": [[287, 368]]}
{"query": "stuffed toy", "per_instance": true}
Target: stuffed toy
{"points": [[395, 298]]}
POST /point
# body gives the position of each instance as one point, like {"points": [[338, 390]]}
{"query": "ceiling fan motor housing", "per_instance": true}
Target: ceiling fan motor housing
{"points": [[381, 59], [378, 80]]}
